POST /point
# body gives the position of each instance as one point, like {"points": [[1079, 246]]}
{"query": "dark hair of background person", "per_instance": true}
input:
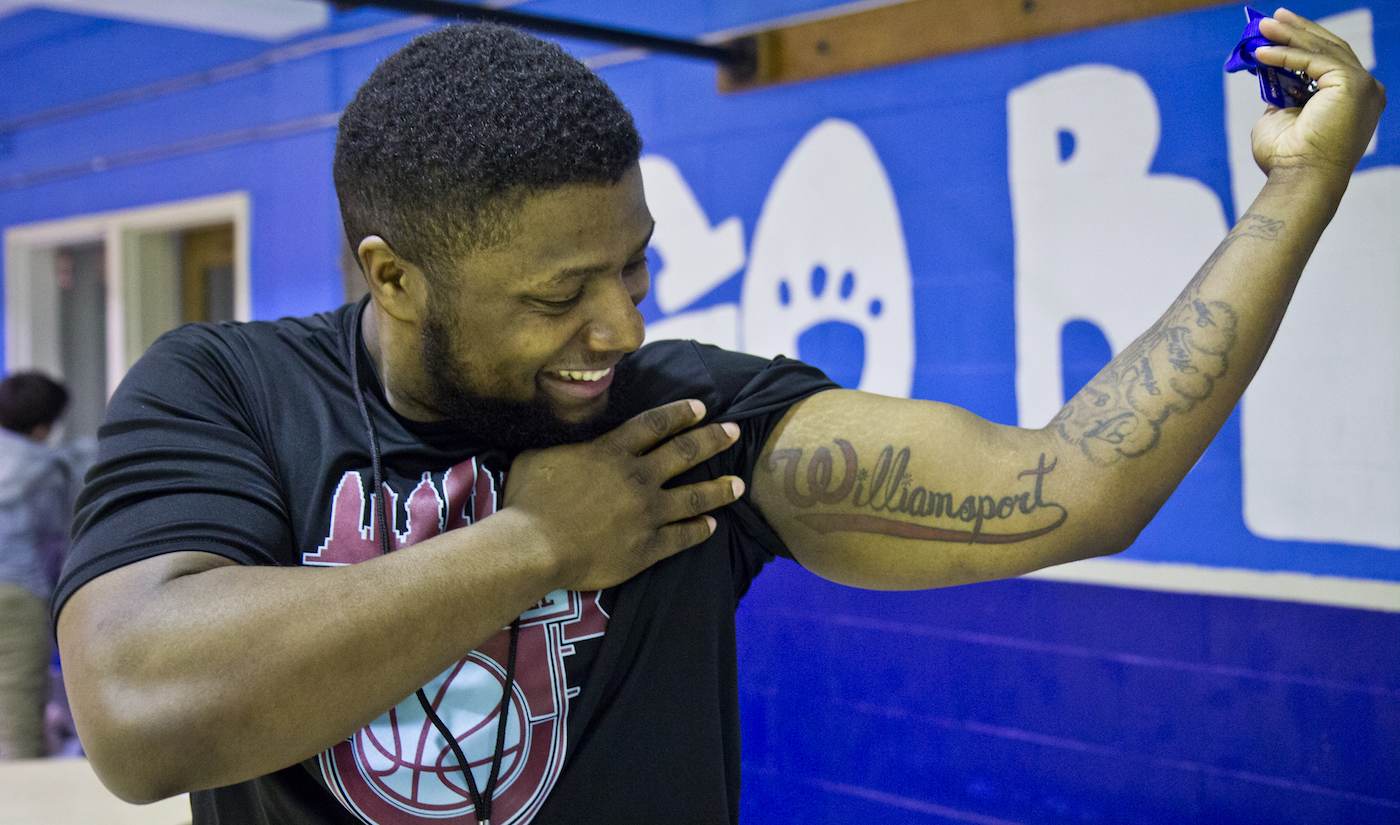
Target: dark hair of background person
{"points": [[449, 134], [29, 400]]}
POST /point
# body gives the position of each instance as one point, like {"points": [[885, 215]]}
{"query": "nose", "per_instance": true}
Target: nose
{"points": [[616, 326]]}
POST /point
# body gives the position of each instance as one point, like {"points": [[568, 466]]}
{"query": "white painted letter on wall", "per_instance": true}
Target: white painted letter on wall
{"points": [[1098, 237], [1321, 421], [695, 258]]}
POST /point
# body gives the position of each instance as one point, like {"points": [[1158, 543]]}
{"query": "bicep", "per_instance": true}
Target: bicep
{"points": [[103, 625], [891, 493], [110, 625]]}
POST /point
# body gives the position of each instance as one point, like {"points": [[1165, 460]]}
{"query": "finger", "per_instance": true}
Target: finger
{"points": [[676, 537], [1293, 18], [1326, 70], [1287, 34], [697, 499], [690, 448], [642, 432]]}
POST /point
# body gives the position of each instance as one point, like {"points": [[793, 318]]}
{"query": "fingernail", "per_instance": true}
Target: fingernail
{"points": [[698, 408], [738, 485], [731, 428], [710, 520]]}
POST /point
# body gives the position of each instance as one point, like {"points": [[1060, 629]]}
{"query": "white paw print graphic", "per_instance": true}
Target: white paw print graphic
{"points": [[836, 318], [828, 280]]}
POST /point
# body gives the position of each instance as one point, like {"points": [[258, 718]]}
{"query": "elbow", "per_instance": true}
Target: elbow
{"points": [[132, 736], [1113, 547], [138, 727], [1116, 537], [1098, 537], [135, 791], [128, 755], [1112, 520]]}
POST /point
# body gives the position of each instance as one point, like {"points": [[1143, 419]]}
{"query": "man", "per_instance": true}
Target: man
{"points": [[491, 405], [34, 515]]}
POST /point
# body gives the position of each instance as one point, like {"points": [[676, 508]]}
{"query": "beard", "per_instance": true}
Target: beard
{"points": [[510, 425]]}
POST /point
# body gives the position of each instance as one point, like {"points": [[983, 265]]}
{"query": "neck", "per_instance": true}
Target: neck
{"points": [[379, 334]]}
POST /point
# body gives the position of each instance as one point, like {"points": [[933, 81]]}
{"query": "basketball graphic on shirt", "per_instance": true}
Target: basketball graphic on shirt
{"points": [[409, 763], [399, 769]]}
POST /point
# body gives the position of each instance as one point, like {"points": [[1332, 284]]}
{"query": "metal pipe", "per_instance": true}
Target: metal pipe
{"points": [[735, 57]]}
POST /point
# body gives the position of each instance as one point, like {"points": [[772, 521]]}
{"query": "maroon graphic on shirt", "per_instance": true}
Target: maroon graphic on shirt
{"points": [[399, 769]]}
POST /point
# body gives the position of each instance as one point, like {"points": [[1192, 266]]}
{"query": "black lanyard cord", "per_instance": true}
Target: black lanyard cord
{"points": [[481, 803], [502, 716]]}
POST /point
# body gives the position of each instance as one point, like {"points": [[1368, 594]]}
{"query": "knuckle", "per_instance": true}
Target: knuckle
{"points": [[657, 422], [649, 516], [697, 501], [688, 448], [639, 477]]}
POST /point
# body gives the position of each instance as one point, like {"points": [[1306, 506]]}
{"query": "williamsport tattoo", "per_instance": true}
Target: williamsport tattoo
{"points": [[887, 501]]}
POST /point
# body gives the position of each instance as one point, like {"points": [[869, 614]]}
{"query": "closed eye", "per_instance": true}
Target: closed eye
{"points": [[564, 304], [558, 305]]}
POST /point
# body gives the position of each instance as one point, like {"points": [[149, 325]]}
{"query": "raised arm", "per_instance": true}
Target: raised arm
{"points": [[889, 493]]}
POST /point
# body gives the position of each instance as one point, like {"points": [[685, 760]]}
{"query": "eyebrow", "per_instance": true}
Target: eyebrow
{"points": [[575, 272]]}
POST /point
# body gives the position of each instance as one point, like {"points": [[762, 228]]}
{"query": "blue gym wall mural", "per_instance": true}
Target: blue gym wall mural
{"points": [[982, 229], [991, 243]]}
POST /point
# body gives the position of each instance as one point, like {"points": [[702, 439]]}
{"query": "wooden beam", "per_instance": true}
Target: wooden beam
{"points": [[920, 29]]}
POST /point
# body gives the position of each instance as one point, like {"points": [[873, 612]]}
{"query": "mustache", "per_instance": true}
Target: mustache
{"points": [[512, 426]]}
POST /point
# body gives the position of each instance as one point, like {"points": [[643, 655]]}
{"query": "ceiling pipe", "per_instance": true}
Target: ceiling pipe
{"points": [[738, 58]]}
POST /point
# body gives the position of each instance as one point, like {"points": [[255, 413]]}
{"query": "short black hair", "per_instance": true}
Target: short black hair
{"points": [[29, 400], [450, 133]]}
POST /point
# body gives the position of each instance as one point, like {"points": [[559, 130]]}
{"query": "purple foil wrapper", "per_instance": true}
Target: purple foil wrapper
{"points": [[1278, 87]]}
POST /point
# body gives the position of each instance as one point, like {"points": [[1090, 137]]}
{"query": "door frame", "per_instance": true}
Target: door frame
{"points": [[28, 249]]}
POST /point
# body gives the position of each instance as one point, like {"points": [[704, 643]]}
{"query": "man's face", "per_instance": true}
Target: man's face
{"points": [[521, 341]]}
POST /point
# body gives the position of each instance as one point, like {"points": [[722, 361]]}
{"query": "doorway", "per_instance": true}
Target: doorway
{"points": [[86, 296]]}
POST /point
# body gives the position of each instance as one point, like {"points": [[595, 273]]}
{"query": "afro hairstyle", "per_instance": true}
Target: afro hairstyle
{"points": [[452, 132]]}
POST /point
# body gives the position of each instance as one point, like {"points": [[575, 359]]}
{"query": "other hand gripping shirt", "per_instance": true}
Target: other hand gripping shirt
{"points": [[245, 440]]}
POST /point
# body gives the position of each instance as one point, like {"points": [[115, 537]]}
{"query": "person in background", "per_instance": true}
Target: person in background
{"points": [[35, 508]]}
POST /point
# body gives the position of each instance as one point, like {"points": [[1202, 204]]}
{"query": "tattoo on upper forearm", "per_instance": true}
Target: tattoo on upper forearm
{"points": [[1259, 226], [883, 499], [1167, 371]]}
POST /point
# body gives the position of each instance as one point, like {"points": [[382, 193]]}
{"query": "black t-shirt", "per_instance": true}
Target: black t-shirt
{"points": [[245, 440]]}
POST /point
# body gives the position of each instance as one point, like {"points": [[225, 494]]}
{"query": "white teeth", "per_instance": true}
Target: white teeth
{"points": [[583, 375]]}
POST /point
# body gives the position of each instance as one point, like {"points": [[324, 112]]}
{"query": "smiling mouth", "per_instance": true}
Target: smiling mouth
{"points": [[581, 385], [583, 375]]}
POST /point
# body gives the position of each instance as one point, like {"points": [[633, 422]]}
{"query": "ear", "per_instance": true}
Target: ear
{"points": [[396, 284]]}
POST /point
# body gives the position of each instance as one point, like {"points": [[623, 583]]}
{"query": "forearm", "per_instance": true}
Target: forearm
{"points": [[237, 671], [1134, 431]]}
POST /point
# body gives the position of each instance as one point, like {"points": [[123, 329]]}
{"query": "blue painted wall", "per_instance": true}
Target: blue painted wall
{"points": [[1024, 701]]}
